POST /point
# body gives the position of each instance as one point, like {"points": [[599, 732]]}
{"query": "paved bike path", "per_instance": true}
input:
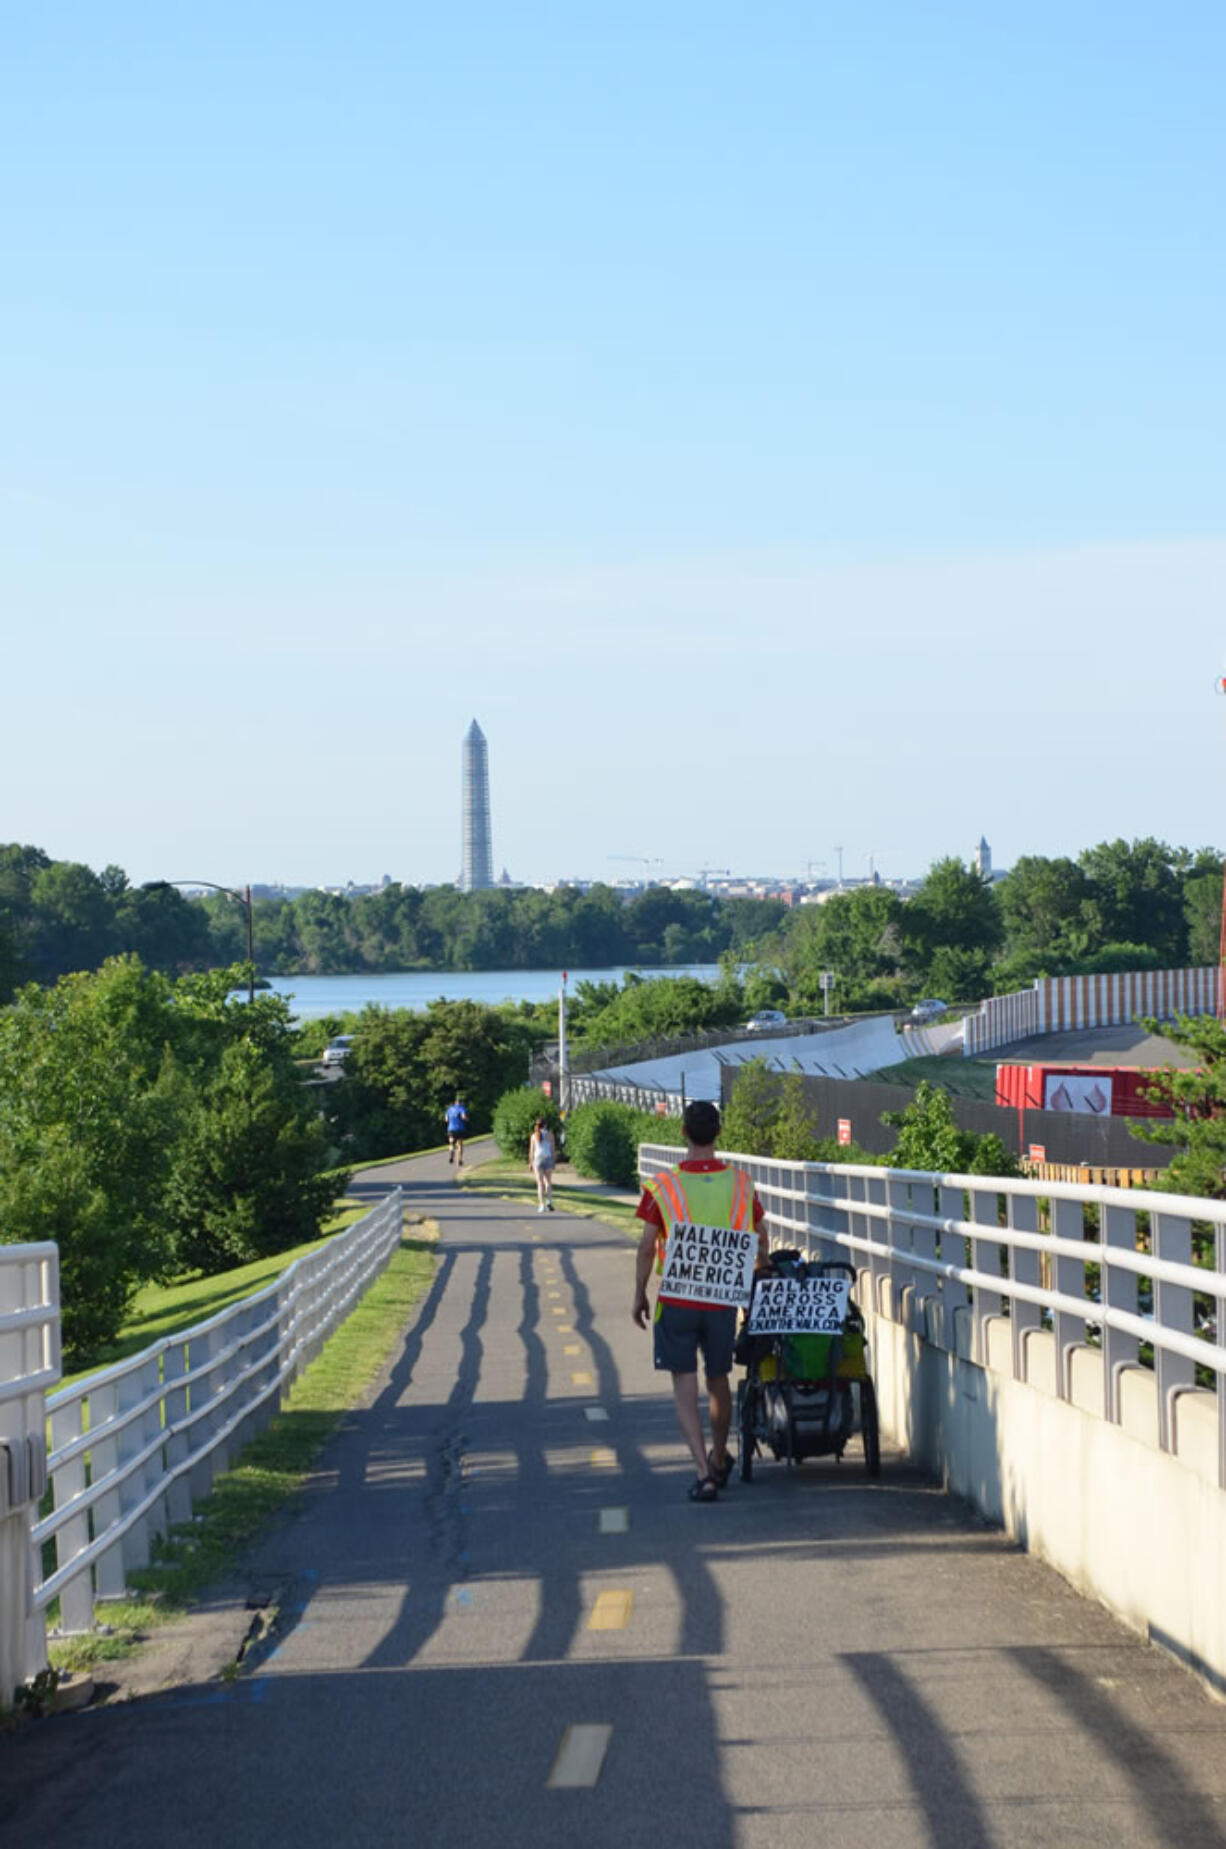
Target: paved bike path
{"points": [[497, 1554]]}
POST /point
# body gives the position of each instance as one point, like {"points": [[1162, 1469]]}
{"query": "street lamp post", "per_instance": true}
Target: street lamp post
{"points": [[244, 899]]}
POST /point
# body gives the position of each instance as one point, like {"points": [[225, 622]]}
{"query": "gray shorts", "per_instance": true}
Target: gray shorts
{"points": [[681, 1330]]}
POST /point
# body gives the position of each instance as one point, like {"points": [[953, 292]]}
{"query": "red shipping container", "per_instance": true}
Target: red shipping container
{"points": [[1092, 1091]]}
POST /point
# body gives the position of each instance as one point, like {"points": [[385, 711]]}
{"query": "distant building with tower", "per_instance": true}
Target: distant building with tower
{"points": [[477, 869], [983, 859]]}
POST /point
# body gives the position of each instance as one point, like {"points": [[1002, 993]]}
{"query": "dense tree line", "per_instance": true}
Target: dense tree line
{"points": [[60, 916], [1121, 905]]}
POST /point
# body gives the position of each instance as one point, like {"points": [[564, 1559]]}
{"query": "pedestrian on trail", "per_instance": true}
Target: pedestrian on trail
{"points": [[542, 1154], [705, 1196], [457, 1129]]}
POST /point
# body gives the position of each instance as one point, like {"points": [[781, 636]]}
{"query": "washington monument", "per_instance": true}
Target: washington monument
{"points": [[478, 863]]}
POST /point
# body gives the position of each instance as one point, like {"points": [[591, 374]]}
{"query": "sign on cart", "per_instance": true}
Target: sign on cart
{"points": [[799, 1306]]}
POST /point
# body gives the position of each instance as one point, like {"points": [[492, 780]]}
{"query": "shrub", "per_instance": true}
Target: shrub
{"points": [[514, 1115], [751, 1111], [602, 1142]]}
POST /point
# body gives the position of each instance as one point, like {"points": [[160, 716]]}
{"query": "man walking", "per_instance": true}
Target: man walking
{"points": [[703, 1229]]}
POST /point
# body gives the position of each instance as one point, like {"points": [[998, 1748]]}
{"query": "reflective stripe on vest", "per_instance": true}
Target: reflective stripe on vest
{"points": [[722, 1197]]}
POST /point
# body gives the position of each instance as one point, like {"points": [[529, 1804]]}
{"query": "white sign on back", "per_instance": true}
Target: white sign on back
{"points": [[799, 1306], [709, 1264]]}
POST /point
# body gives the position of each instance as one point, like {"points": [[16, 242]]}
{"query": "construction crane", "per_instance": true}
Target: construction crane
{"points": [[647, 861], [704, 871]]}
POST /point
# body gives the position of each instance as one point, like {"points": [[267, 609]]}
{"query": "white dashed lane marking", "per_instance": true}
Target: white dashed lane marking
{"points": [[580, 1757]]}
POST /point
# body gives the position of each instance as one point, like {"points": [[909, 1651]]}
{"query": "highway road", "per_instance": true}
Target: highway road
{"points": [[504, 1624]]}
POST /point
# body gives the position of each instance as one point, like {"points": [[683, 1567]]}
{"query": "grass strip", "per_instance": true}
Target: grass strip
{"points": [[199, 1554], [506, 1179], [161, 1310]]}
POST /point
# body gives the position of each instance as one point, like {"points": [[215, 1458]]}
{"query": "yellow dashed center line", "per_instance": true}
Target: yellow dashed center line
{"points": [[573, 1348], [582, 1380], [604, 1457], [611, 1612]]}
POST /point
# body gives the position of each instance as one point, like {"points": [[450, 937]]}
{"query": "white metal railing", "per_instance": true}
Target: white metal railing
{"points": [[29, 1364], [976, 1242], [582, 1088], [132, 1447]]}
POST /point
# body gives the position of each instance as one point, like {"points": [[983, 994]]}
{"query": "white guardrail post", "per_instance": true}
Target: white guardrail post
{"points": [[133, 1446], [29, 1364]]}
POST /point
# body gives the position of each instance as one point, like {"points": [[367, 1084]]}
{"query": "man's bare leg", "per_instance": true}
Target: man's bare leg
{"points": [[685, 1399], [720, 1401]]}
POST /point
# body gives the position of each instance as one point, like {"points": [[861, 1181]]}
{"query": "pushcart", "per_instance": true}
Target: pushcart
{"points": [[806, 1394]]}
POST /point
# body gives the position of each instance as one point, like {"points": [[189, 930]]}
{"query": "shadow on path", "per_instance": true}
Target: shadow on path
{"points": [[1177, 1814], [952, 1811], [423, 1605]]}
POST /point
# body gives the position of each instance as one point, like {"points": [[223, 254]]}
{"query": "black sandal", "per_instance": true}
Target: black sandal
{"points": [[720, 1473], [704, 1490]]}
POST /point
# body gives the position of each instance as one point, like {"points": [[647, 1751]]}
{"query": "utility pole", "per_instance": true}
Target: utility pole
{"points": [[562, 1086], [839, 852]]}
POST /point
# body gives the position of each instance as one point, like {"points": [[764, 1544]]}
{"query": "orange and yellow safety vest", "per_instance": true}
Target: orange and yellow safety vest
{"points": [[701, 1197]]}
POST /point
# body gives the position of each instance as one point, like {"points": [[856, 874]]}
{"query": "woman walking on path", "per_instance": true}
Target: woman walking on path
{"points": [[541, 1158]]}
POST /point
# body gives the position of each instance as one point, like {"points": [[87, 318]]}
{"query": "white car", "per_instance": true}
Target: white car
{"points": [[765, 1019], [928, 1011], [336, 1051]]}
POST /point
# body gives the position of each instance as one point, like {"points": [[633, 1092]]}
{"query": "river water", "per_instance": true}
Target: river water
{"points": [[316, 995]]}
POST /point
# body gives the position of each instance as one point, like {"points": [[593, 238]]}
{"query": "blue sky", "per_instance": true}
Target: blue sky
{"points": [[779, 427]]}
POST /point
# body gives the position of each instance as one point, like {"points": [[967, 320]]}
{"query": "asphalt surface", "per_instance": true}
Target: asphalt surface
{"points": [[815, 1659], [1124, 1045]]}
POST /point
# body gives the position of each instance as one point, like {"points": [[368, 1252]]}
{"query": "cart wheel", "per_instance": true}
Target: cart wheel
{"points": [[744, 1426], [869, 1430]]}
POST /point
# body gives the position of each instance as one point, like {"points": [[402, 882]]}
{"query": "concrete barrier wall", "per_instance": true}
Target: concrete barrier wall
{"points": [[1056, 1003], [1142, 1530]]}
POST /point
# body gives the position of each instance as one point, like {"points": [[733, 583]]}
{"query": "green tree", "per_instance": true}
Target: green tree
{"points": [[1202, 916], [752, 1111], [11, 971], [793, 1134], [1198, 1100], [1042, 908], [72, 919], [245, 1179], [648, 1008], [515, 1115], [164, 929], [404, 1068], [930, 1140], [858, 935], [951, 927], [1136, 897], [89, 1110], [960, 975]]}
